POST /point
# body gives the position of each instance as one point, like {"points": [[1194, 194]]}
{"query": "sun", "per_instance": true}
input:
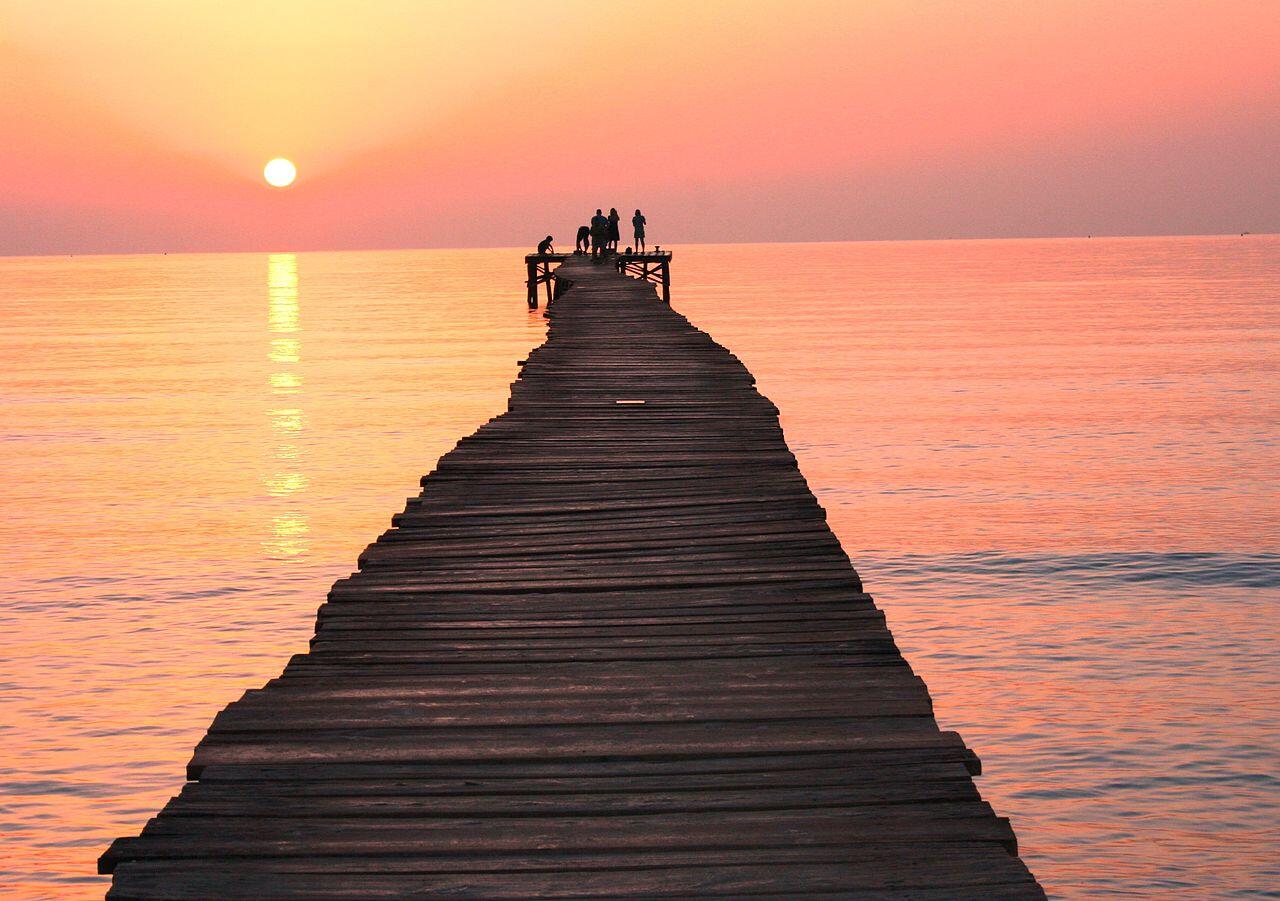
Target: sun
{"points": [[279, 173]]}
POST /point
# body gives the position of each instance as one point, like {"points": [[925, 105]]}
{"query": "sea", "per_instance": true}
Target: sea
{"points": [[1053, 462]]}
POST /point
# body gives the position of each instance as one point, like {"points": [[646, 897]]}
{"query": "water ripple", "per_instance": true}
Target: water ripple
{"points": [[988, 571]]}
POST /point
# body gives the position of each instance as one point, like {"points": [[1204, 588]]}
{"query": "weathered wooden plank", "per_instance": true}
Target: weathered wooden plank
{"points": [[336, 617], [326, 717], [695, 680], [198, 837], [218, 782], [656, 739], [711, 633], [965, 871], [889, 764], [363, 803]]}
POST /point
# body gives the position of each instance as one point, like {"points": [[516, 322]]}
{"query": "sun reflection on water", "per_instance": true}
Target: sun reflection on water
{"points": [[285, 350], [287, 530]]}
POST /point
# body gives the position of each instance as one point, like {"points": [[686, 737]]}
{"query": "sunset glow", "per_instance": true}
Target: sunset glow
{"points": [[462, 124]]}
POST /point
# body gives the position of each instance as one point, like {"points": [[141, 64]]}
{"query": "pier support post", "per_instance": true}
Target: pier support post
{"points": [[533, 285], [666, 282]]}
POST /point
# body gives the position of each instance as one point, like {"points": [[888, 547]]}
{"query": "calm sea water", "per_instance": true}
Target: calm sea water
{"points": [[1054, 462]]}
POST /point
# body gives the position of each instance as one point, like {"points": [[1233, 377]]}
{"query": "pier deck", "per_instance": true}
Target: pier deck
{"points": [[613, 649]]}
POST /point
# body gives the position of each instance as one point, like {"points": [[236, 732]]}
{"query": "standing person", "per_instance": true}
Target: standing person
{"points": [[599, 234], [614, 234], [637, 222], [583, 244]]}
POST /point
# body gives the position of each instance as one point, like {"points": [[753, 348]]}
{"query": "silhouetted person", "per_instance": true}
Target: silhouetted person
{"points": [[637, 222], [614, 234], [583, 244], [599, 234], [544, 246]]}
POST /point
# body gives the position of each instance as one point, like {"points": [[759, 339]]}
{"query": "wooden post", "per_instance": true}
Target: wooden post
{"points": [[533, 285], [548, 275], [666, 281]]}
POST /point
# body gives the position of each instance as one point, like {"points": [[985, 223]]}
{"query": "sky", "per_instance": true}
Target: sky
{"points": [[143, 125]]}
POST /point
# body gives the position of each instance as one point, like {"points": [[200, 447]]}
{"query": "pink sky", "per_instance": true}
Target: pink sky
{"points": [[144, 124]]}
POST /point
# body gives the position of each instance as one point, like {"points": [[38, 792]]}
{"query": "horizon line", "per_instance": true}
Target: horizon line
{"points": [[420, 247]]}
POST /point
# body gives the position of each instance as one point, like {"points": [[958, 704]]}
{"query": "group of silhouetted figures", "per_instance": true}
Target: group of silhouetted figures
{"points": [[601, 237]]}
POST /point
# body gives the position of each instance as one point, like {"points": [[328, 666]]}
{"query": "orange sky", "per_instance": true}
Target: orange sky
{"points": [[144, 124]]}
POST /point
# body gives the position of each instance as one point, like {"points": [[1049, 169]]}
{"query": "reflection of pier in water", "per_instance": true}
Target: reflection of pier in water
{"points": [[288, 527], [611, 650]]}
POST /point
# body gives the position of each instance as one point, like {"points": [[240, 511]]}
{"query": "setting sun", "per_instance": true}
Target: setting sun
{"points": [[279, 173]]}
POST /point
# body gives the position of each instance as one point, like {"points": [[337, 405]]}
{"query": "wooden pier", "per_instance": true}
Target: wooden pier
{"points": [[651, 266], [611, 650]]}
